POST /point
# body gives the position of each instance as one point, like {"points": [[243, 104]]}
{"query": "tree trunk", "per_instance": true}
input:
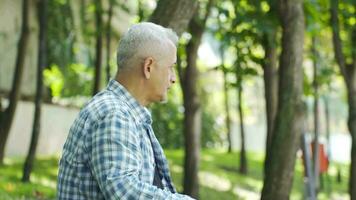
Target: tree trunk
{"points": [[0, 108], [177, 15], [287, 127], [9, 112], [349, 73], [327, 123], [108, 40], [270, 78], [227, 110], [174, 14], [352, 129], [99, 44], [226, 100], [42, 62], [243, 160], [192, 114], [192, 131], [316, 115]]}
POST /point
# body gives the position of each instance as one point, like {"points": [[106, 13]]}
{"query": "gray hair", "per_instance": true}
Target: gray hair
{"points": [[143, 39]]}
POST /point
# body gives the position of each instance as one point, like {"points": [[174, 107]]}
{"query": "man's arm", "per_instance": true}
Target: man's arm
{"points": [[115, 162]]}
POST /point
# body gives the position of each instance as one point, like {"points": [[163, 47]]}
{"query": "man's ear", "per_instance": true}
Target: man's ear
{"points": [[147, 67]]}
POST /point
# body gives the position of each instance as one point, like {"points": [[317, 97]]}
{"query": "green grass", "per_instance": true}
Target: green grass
{"points": [[219, 178], [43, 180]]}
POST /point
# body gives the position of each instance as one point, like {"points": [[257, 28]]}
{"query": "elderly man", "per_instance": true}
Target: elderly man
{"points": [[111, 151]]}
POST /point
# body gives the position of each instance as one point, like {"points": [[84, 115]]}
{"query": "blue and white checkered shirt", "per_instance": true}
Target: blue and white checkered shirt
{"points": [[111, 152]]}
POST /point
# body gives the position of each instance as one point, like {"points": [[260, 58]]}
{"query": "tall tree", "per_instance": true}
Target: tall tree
{"points": [[270, 78], [41, 64], [108, 39], [348, 71], [177, 15], [7, 115], [226, 100], [255, 24], [242, 34], [219, 34], [174, 14], [243, 159], [98, 46], [270, 75], [287, 128], [191, 101], [316, 111], [327, 123], [242, 71]]}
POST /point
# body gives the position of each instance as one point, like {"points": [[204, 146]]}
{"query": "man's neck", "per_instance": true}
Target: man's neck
{"points": [[134, 86]]}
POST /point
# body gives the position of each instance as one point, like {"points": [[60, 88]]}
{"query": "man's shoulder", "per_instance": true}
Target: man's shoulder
{"points": [[106, 103]]}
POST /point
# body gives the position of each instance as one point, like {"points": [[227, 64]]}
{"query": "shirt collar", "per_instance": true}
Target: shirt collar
{"points": [[140, 113]]}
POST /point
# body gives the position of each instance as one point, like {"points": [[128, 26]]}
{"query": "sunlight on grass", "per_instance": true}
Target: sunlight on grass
{"points": [[8, 161], [44, 181], [208, 158], [176, 169], [338, 196], [254, 185], [9, 187], [296, 196], [213, 181], [218, 178], [246, 194]]}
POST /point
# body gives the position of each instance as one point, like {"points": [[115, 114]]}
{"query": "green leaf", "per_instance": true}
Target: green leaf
{"points": [[53, 78]]}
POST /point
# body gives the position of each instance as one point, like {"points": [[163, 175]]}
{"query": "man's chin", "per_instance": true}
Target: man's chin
{"points": [[163, 99]]}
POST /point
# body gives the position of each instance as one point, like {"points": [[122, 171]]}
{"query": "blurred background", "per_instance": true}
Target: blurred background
{"points": [[261, 83]]}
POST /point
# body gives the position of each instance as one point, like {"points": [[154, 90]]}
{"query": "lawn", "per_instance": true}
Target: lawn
{"points": [[219, 178]]}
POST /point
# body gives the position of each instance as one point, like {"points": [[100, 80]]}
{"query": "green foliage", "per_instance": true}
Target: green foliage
{"points": [[210, 136], [71, 38], [60, 33], [325, 75], [307, 85], [54, 79], [168, 120], [76, 82], [79, 80], [347, 17], [317, 19], [168, 123], [241, 26], [143, 10]]}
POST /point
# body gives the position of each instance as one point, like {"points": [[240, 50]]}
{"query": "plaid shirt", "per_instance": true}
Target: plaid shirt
{"points": [[111, 152]]}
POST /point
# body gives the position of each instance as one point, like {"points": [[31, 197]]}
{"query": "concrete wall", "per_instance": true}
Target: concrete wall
{"points": [[55, 124], [10, 28]]}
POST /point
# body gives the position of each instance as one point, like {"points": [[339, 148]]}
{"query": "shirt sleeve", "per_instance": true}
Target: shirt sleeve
{"points": [[116, 159]]}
